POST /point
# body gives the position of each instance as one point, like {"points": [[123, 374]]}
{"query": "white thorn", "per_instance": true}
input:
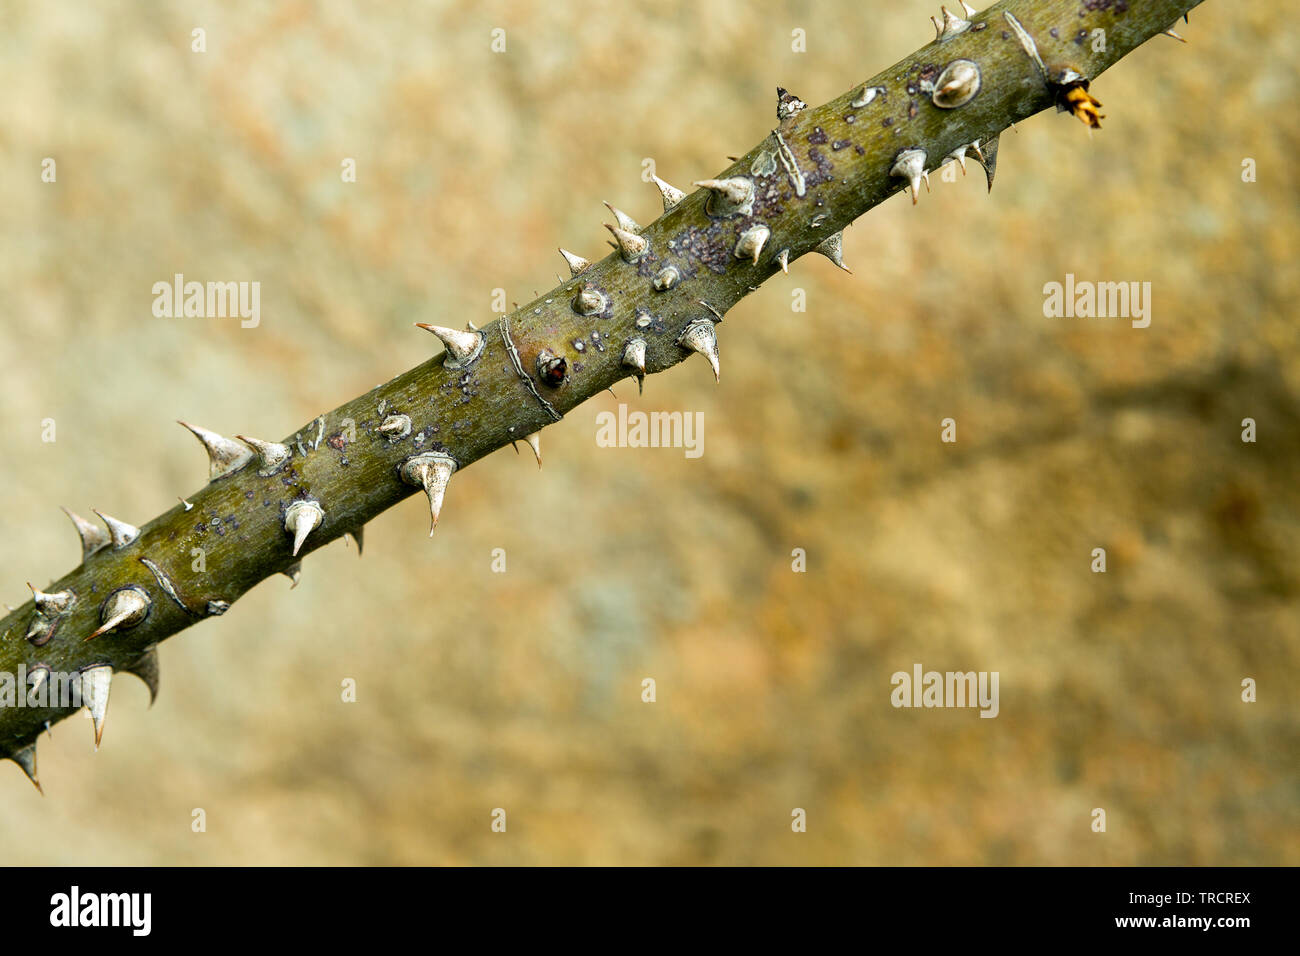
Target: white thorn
{"points": [[431, 471], [672, 195], [634, 358], [122, 533], [735, 192], [576, 263], [270, 455], [625, 222], [535, 443], [96, 682], [783, 257], [93, 537], [700, 337], [630, 245], [124, 608], [910, 166], [462, 347], [225, 455], [300, 519], [751, 242], [53, 604]]}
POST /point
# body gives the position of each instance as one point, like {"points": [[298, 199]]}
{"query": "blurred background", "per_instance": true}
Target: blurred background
{"points": [[522, 690]]}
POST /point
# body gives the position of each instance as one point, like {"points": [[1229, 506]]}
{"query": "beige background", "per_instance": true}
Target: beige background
{"points": [[522, 690]]}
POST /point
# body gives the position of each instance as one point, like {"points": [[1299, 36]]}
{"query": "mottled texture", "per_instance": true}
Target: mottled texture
{"points": [[522, 690]]}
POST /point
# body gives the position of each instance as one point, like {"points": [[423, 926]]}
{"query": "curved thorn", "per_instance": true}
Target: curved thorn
{"points": [[462, 347], [832, 247], [270, 455], [625, 222], [225, 455], [431, 471], [535, 443], [630, 245], [122, 533], [577, 264], [125, 608], [301, 518], [751, 242], [634, 358], [26, 758], [96, 682], [701, 337], [737, 191], [910, 165], [987, 154], [52, 605], [146, 668], [671, 194], [294, 573], [358, 536], [93, 537]]}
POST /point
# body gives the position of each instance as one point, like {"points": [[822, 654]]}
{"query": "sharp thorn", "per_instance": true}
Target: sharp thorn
{"points": [[431, 471], [294, 573], [630, 245], [462, 347], [225, 455], [577, 264], [121, 533], [735, 192], [96, 682], [634, 358], [300, 519], [832, 247], [625, 222], [783, 257], [125, 608], [1178, 37], [52, 605], [700, 336], [535, 443], [270, 455], [26, 758], [987, 154], [359, 536], [671, 194], [910, 166], [146, 668], [750, 244], [93, 537]]}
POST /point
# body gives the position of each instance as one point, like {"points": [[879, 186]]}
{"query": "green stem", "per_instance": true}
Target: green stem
{"points": [[820, 169]]}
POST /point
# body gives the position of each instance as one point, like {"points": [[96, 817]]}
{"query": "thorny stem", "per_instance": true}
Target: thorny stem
{"points": [[652, 302]]}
